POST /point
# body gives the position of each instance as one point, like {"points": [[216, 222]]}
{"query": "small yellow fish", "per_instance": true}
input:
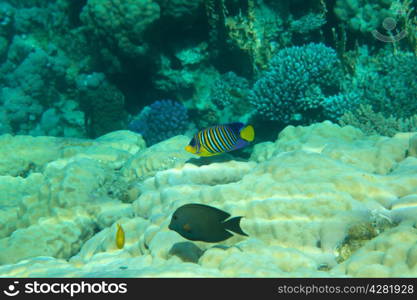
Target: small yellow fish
{"points": [[120, 237]]}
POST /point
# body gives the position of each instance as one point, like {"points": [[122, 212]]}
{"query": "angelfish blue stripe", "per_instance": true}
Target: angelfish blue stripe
{"points": [[211, 138], [227, 136], [231, 135], [204, 142], [220, 140]]}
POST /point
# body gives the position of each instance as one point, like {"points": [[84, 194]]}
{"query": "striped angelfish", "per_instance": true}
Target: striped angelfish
{"points": [[221, 138]]}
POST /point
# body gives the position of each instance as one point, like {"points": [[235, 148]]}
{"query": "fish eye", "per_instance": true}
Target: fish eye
{"points": [[174, 217]]}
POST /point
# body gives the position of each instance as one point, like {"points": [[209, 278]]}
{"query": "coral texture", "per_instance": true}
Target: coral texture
{"points": [[160, 120], [321, 200], [122, 24], [296, 85], [363, 15]]}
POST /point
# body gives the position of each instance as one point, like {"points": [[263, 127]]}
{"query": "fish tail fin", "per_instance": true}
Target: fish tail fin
{"points": [[233, 224], [247, 133]]}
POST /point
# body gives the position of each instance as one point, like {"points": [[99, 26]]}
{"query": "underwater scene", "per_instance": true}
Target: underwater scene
{"points": [[208, 138]]}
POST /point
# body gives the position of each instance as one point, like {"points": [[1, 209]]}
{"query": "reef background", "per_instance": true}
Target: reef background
{"points": [[85, 68]]}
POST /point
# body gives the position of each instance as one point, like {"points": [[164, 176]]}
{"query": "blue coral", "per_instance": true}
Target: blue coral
{"points": [[297, 82], [160, 120], [229, 90]]}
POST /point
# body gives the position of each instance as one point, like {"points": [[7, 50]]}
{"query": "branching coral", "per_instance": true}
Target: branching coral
{"points": [[371, 122], [363, 15], [34, 95], [230, 90], [298, 81], [392, 88], [259, 28], [254, 33]]}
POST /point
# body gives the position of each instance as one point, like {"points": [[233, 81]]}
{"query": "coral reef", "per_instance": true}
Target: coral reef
{"points": [[159, 157], [75, 68], [33, 82], [180, 9], [160, 121], [313, 192], [45, 90], [230, 94], [390, 83], [246, 33], [102, 103], [297, 83], [121, 25], [229, 90], [318, 199], [363, 15], [308, 23], [371, 122]]}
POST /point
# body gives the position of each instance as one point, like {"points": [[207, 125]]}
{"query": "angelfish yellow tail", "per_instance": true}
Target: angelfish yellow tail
{"points": [[248, 133]]}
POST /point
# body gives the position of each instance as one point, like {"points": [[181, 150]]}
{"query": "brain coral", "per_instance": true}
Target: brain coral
{"points": [[301, 196], [121, 23], [296, 84], [46, 214]]}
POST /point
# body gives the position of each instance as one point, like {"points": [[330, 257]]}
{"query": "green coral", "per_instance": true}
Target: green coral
{"points": [[179, 9], [230, 91], [389, 83], [372, 123], [254, 33], [308, 23], [363, 15], [103, 105]]}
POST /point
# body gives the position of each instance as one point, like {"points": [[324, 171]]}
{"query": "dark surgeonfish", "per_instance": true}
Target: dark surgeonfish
{"points": [[221, 138], [199, 222]]}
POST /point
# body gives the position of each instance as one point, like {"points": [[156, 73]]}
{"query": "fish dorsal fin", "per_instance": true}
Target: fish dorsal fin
{"points": [[236, 127], [222, 214], [245, 132]]}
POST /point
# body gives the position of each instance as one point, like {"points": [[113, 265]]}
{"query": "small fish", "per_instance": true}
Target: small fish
{"points": [[221, 138], [199, 222], [120, 237]]}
